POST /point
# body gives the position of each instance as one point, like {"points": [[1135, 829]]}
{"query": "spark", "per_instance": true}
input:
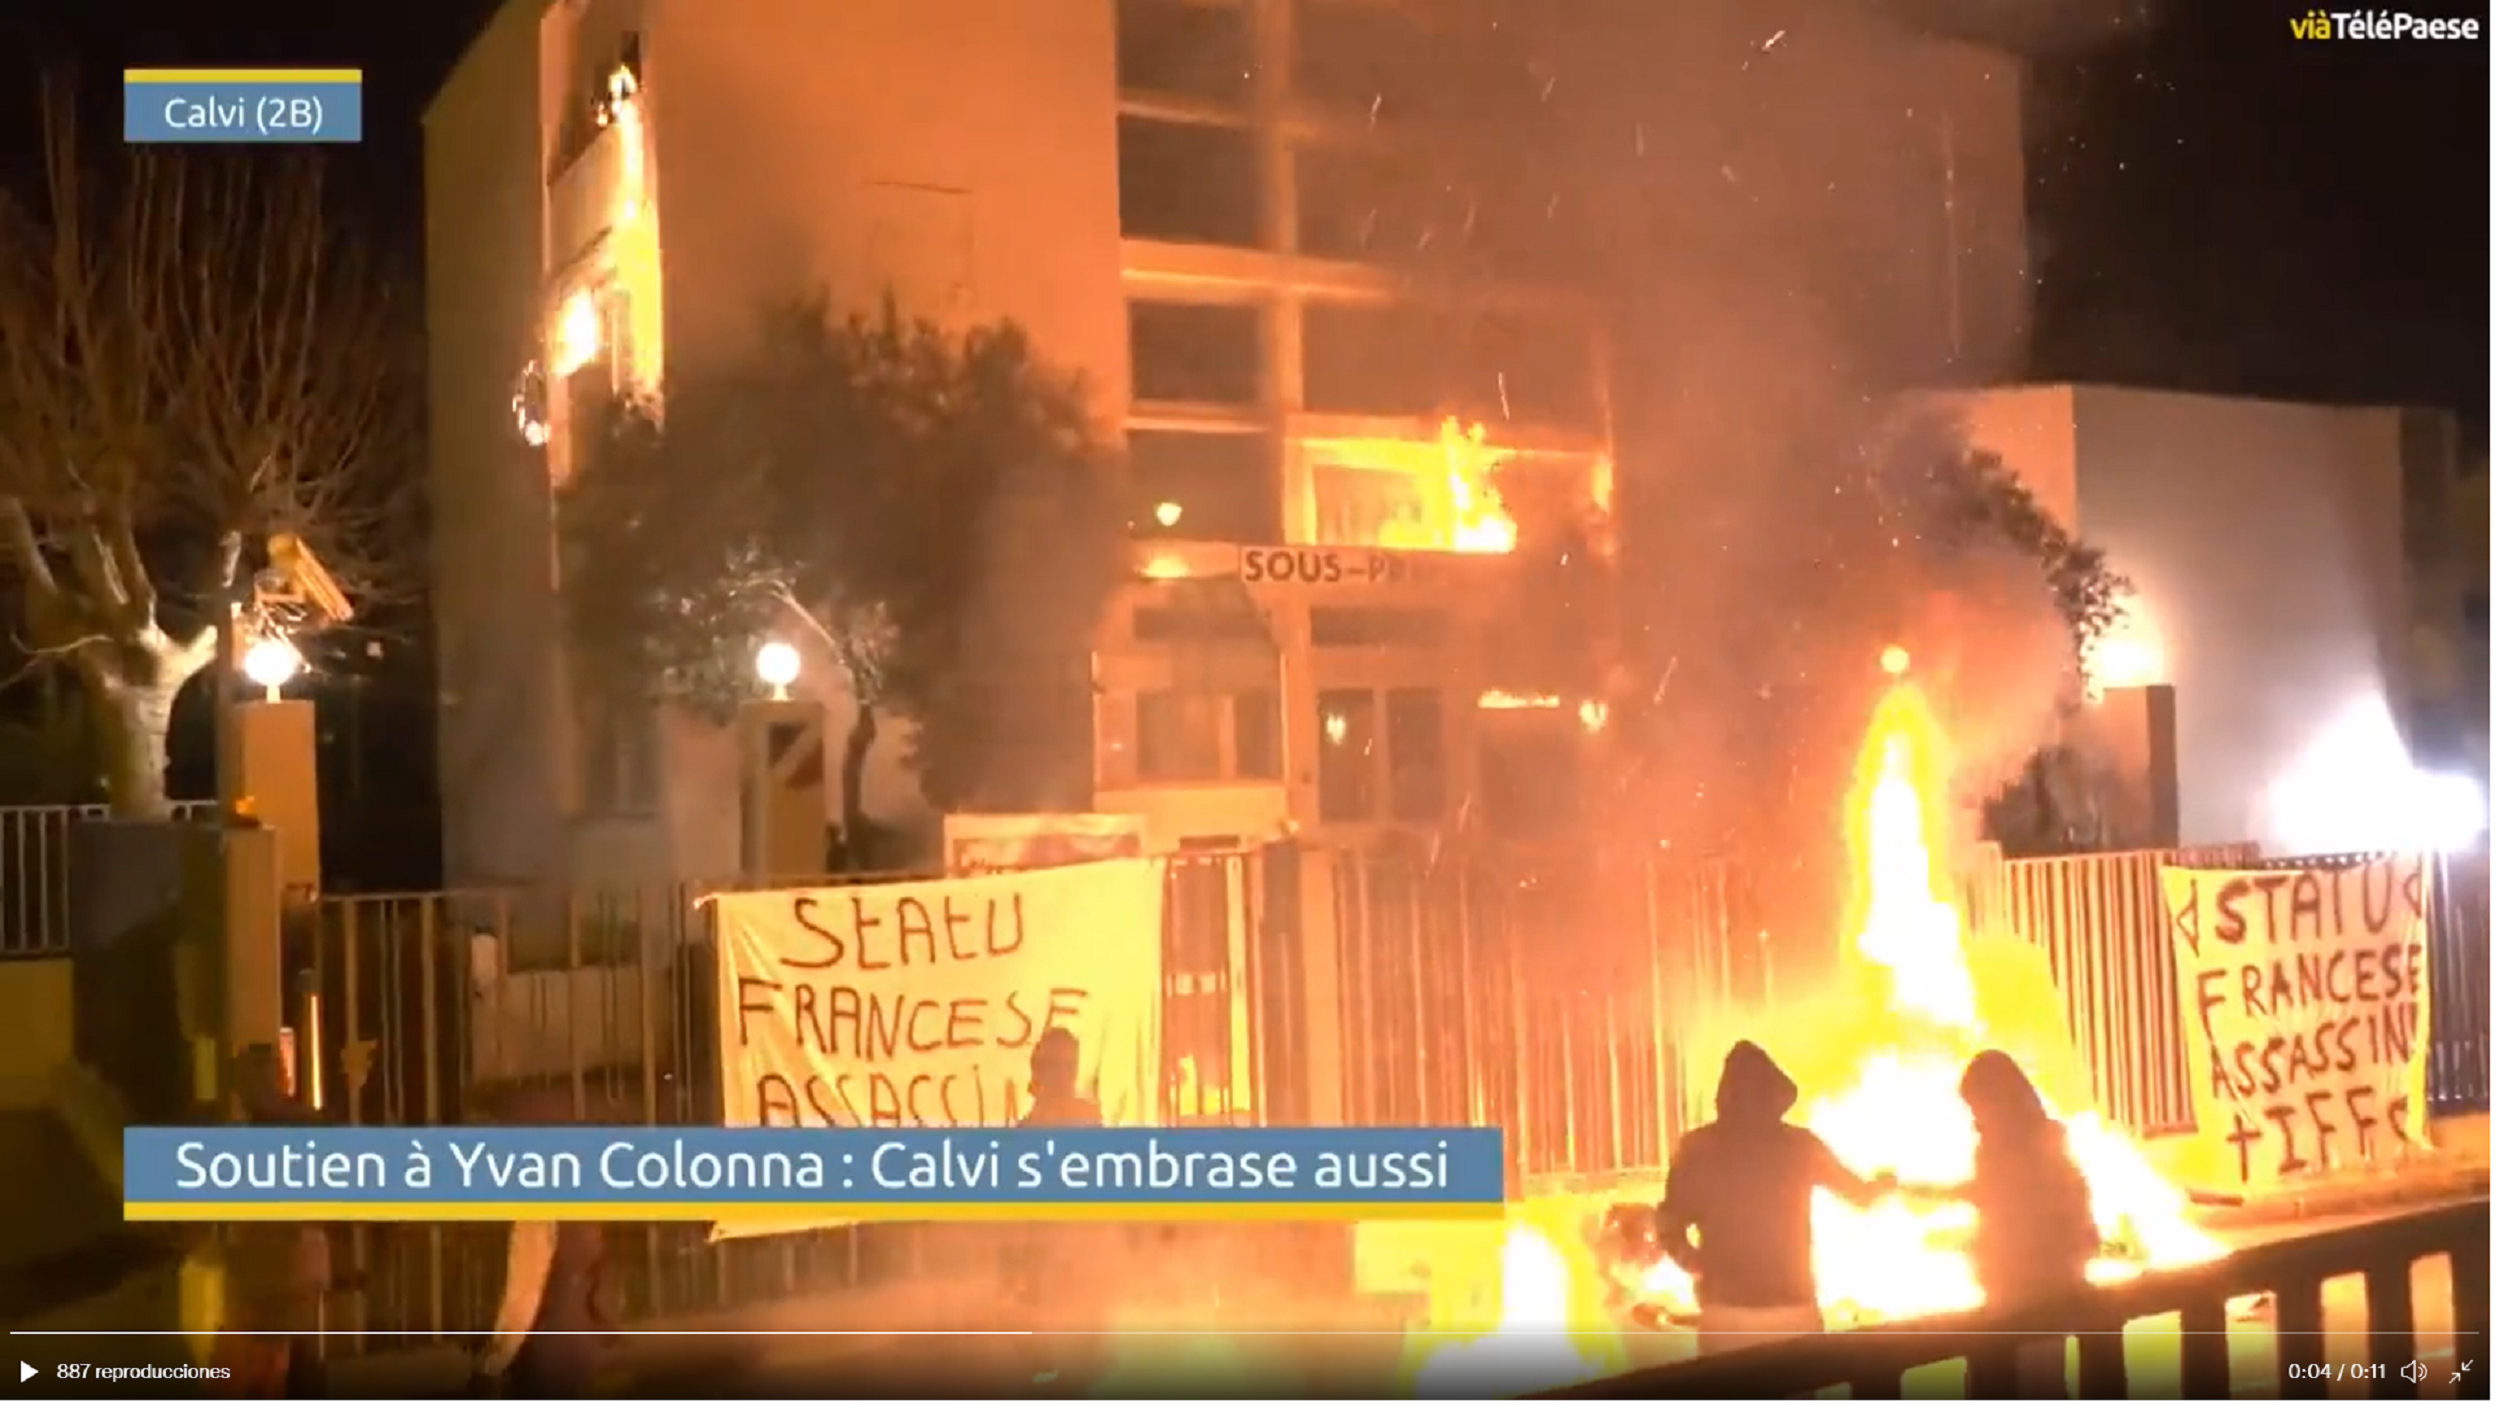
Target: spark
{"points": [[1776, 36], [1501, 384]]}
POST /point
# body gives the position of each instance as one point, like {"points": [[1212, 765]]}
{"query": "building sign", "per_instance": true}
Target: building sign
{"points": [[916, 1005], [1329, 567], [2304, 997]]}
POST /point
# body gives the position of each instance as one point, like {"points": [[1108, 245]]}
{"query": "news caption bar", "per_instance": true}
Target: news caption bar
{"points": [[208, 106], [644, 1174]]}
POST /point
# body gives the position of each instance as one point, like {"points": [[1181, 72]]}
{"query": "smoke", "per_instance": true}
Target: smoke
{"points": [[1792, 211]]}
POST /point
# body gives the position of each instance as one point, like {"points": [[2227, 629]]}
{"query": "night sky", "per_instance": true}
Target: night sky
{"points": [[2216, 207]]}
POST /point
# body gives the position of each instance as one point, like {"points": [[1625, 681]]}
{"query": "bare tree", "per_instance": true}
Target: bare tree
{"points": [[194, 361]]}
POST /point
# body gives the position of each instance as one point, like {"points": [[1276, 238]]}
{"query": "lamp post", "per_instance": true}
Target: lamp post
{"points": [[781, 774]]}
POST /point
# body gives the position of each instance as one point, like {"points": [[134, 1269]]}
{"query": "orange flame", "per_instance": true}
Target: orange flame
{"points": [[1900, 1110]]}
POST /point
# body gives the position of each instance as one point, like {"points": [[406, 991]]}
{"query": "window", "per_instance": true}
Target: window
{"points": [[1180, 736], [1533, 368], [617, 747], [1370, 360], [1359, 205], [1236, 620], [1188, 183], [1375, 627], [1530, 773], [1358, 54], [1212, 486], [1203, 352], [1259, 735], [1348, 743], [1417, 772], [1185, 48], [1371, 508]]}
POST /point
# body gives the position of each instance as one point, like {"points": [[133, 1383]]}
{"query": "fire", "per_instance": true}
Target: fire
{"points": [[1454, 506], [1543, 1333], [1900, 1109]]}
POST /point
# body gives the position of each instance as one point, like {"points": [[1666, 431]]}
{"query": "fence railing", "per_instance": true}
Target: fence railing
{"points": [[1998, 1353], [34, 874], [1554, 998]]}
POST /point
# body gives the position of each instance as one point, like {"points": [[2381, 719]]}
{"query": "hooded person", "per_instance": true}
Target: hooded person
{"points": [[546, 1342], [2036, 1235], [1738, 1214]]}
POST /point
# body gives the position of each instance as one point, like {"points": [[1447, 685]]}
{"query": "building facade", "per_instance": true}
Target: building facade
{"points": [[1198, 203], [2277, 588]]}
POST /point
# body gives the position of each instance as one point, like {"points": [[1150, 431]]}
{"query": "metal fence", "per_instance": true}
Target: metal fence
{"points": [[34, 874], [1553, 997], [437, 1008], [2099, 921]]}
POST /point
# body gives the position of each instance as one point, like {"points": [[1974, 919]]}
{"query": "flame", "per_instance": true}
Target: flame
{"points": [[1900, 1109], [1456, 507], [1543, 1334]]}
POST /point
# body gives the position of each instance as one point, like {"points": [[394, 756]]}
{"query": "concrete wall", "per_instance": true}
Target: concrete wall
{"points": [[2266, 542], [495, 617]]}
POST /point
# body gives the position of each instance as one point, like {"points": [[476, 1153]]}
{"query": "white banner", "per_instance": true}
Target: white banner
{"points": [[2304, 997], [916, 1005]]}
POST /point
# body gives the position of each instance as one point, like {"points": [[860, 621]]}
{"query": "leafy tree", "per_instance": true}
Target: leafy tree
{"points": [[1988, 499], [2055, 804], [192, 359], [930, 510]]}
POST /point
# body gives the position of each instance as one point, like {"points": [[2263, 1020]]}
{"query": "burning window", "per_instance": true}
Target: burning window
{"points": [[1349, 724], [1188, 183], [1203, 485], [1185, 48], [1431, 495], [1194, 352]]}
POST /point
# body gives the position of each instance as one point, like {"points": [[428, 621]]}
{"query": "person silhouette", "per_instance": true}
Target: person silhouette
{"points": [[1057, 1102], [1738, 1212], [1062, 1267], [2036, 1235]]}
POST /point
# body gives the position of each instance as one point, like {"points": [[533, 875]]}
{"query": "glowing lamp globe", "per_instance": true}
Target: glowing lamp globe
{"points": [[270, 662], [777, 665]]}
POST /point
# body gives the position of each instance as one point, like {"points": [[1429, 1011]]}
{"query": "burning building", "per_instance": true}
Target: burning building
{"points": [[1191, 202], [1208, 207]]}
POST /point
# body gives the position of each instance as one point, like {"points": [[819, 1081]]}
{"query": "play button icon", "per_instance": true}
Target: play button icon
{"points": [[26, 1371]]}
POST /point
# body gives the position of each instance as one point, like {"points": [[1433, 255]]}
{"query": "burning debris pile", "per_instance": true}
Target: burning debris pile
{"points": [[1897, 1108]]}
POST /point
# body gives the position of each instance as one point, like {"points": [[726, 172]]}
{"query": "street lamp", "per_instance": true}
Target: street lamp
{"points": [[270, 662], [777, 665]]}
